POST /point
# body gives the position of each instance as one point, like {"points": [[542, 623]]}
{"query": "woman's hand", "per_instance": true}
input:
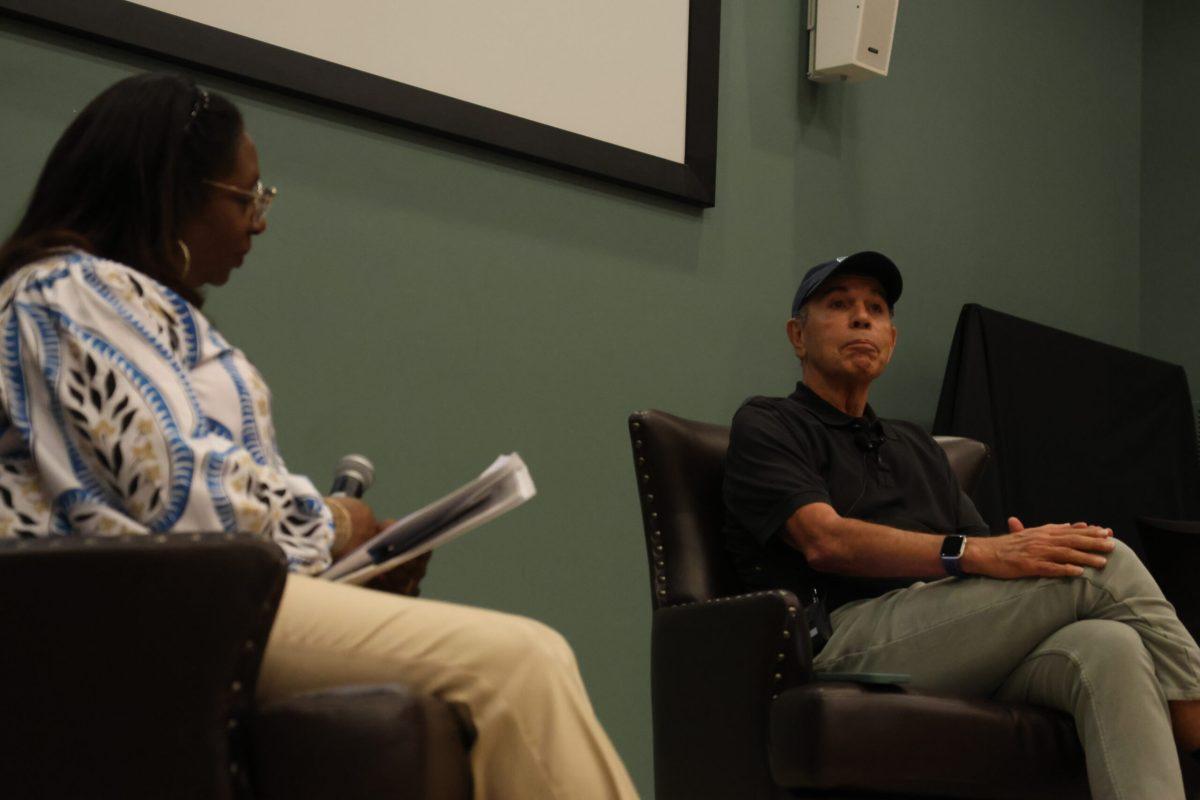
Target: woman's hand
{"points": [[404, 579], [354, 522], [358, 519]]}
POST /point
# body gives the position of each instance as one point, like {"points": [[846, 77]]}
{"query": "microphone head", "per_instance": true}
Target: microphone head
{"points": [[357, 467]]}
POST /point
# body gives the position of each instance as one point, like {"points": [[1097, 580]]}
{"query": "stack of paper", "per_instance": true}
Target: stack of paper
{"points": [[501, 487]]}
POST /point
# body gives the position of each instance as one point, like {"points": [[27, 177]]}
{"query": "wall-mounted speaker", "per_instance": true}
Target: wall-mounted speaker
{"points": [[850, 40]]}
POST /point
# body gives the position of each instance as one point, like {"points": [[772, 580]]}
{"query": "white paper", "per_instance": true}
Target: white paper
{"points": [[503, 486]]}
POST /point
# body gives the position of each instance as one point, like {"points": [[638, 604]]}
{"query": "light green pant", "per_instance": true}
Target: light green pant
{"points": [[1105, 647]]}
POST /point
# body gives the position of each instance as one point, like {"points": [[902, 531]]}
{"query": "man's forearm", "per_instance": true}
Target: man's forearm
{"points": [[848, 546], [845, 546]]}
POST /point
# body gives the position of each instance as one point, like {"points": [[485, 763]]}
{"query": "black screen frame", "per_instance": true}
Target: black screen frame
{"points": [[220, 52]]}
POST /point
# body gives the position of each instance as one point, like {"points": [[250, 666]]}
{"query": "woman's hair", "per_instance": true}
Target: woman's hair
{"points": [[126, 174]]}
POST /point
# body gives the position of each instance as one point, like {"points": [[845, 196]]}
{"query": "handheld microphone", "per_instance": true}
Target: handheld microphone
{"points": [[352, 476]]}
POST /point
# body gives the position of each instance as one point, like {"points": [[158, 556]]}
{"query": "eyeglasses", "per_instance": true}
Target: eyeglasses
{"points": [[260, 196]]}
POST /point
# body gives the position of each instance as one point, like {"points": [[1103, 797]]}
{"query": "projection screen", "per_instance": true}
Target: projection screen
{"points": [[625, 90]]}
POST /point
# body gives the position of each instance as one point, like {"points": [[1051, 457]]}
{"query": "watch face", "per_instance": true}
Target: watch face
{"points": [[953, 546]]}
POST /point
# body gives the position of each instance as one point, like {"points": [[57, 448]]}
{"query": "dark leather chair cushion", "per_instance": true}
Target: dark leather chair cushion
{"points": [[847, 736], [362, 742]]}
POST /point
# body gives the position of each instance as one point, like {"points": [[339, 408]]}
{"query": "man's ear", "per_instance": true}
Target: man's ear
{"points": [[795, 333]]}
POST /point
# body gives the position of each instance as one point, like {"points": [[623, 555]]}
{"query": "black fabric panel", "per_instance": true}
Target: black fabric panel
{"points": [[1173, 554], [1079, 430], [965, 409]]}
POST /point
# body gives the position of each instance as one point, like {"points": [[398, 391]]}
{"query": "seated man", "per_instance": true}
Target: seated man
{"points": [[864, 515]]}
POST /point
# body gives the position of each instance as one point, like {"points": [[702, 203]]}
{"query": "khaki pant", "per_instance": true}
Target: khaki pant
{"points": [[538, 736], [1105, 647]]}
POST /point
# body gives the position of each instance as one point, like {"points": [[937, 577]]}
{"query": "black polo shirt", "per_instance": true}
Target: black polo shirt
{"points": [[787, 452]]}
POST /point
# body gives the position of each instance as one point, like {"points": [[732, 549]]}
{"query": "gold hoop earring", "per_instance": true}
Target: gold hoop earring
{"points": [[187, 257]]}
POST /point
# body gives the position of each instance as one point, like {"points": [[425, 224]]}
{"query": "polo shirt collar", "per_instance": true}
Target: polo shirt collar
{"points": [[834, 417]]}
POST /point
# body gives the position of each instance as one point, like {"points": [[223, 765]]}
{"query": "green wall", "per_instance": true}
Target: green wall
{"points": [[432, 305], [1170, 252]]}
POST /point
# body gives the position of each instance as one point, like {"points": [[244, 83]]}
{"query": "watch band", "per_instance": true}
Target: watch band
{"points": [[953, 547]]}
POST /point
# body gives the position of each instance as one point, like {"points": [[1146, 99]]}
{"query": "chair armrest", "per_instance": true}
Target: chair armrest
{"points": [[716, 666], [362, 742], [131, 662]]}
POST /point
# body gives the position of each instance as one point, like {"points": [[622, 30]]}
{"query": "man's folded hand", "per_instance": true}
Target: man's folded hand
{"points": [[1048, 551]]}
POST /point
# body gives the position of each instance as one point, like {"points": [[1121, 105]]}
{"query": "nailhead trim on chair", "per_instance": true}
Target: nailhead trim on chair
{"points": [[658, 555], [781, 656], [246, 673]]}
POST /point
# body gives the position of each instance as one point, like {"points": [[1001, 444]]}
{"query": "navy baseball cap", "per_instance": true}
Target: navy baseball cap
{"points": [[868, 264]]}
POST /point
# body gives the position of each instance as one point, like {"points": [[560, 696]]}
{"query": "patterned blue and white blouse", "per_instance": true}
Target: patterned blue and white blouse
{"points": [[122, 410]]}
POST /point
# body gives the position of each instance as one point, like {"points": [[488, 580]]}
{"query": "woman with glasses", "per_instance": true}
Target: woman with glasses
{"points": [[123, 410]]}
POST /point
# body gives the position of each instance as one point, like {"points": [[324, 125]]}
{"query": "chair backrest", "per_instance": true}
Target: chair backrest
{"points": [[967, 458], [680, 466], [680, 472]]}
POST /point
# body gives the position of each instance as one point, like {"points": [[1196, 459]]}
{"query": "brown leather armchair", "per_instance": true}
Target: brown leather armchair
{"points": [[738, 711], [129, 670]]}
